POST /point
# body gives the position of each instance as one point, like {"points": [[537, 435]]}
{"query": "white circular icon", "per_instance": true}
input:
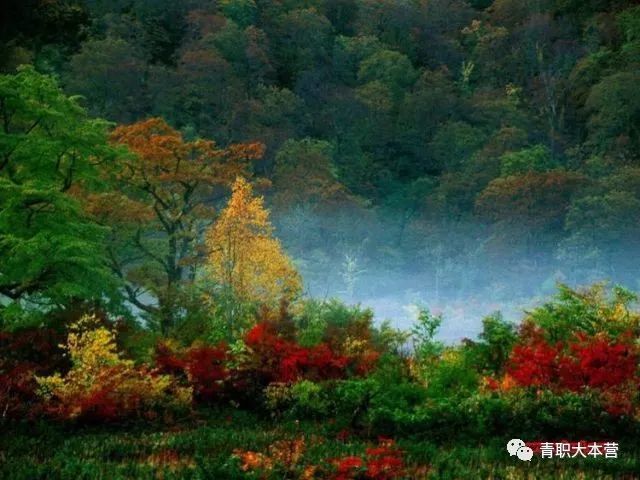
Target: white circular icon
{"points": [[513, 445], [525, 454]]}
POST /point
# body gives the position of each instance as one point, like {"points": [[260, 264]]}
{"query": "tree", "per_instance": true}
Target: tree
{"points": [[534, 159], [528, 210], [243, 12], [392, 69], [166, 188], [206, 92], [538, 199], [454, 143], [40, 24], [604, 229], [110, 74], [303, 42], [51, 253], [304, 174], [614, 109], [243, 254]]}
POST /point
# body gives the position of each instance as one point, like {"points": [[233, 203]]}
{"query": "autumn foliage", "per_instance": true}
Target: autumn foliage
{"points": [[101, 386], [203, 367], [384, 461], [164, 200], [598, 363], [275, 359], [23, 356], [245, 256]]}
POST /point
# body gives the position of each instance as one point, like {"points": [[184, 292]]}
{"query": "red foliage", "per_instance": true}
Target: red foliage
{"points": [[383, 462], [366, 363], [619, 401], [167, 361], [535, 364], [278, 360], [23, 355], [101, 405], [203, 367], [206, 370], [18, 391], [597, 362], [348, 467]]}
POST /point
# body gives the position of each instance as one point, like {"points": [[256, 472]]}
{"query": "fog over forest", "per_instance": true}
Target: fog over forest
{"points": [[453, 271]]}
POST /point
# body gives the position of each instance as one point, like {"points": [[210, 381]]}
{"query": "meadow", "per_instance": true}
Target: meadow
{"points": [[205, 449]]}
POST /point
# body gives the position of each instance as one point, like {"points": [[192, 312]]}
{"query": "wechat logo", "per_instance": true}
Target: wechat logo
{"points": [[517, 447]]}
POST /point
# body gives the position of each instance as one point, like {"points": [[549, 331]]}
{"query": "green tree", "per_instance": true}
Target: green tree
{"points": [[534, 159], [110, 74], [51, 253], [243, 12], [614, 107]]}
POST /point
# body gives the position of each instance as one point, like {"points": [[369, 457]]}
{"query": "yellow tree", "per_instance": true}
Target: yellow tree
{"points": [[245, 256]]}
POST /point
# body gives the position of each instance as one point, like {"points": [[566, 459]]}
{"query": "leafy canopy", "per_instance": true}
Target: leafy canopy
{"points": [[51, 252]]}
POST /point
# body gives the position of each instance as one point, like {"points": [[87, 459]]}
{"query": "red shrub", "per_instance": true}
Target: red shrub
{"points": [[167, 361], [23, 355], [589, 361], [275, 359], [348, 468], [535, 364], [202, 367], [18, 398], [206, 370], [597, 363]]}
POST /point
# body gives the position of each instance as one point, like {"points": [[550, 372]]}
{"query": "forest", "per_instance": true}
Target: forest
{"points": [[318, 239]]}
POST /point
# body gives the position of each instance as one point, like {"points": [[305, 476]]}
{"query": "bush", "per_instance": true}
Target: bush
{"points": [[203, 368], [453, 375], [274, 359], [496, 340], [23, 355], [591, 311], [374, 402], [300, 400], [586, 363], [100, 386]]}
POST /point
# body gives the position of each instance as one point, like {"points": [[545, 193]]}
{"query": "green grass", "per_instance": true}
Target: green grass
{"points": [[203, 449]]}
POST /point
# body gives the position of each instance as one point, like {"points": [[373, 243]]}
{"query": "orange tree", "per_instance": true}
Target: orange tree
{"points": [[163, 202], [245, 257]]}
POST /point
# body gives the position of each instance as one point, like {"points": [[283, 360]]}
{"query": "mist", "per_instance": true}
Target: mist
{"points": [[462, 269]]}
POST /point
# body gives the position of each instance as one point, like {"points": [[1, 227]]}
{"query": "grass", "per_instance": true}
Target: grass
{"points": [[203, 449]]}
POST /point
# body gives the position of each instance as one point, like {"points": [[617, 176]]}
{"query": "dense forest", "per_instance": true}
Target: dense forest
{"points": [[201, 199], [442, 151]]}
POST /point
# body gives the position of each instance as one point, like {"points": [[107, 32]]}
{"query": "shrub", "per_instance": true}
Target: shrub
{"points": [[374, 402], [23, 355], [274, 359], [587, 362], [304, 399], [496, 340], [452, 375], [202, 367], [382, 462], [591, 311], [100, 386]]}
